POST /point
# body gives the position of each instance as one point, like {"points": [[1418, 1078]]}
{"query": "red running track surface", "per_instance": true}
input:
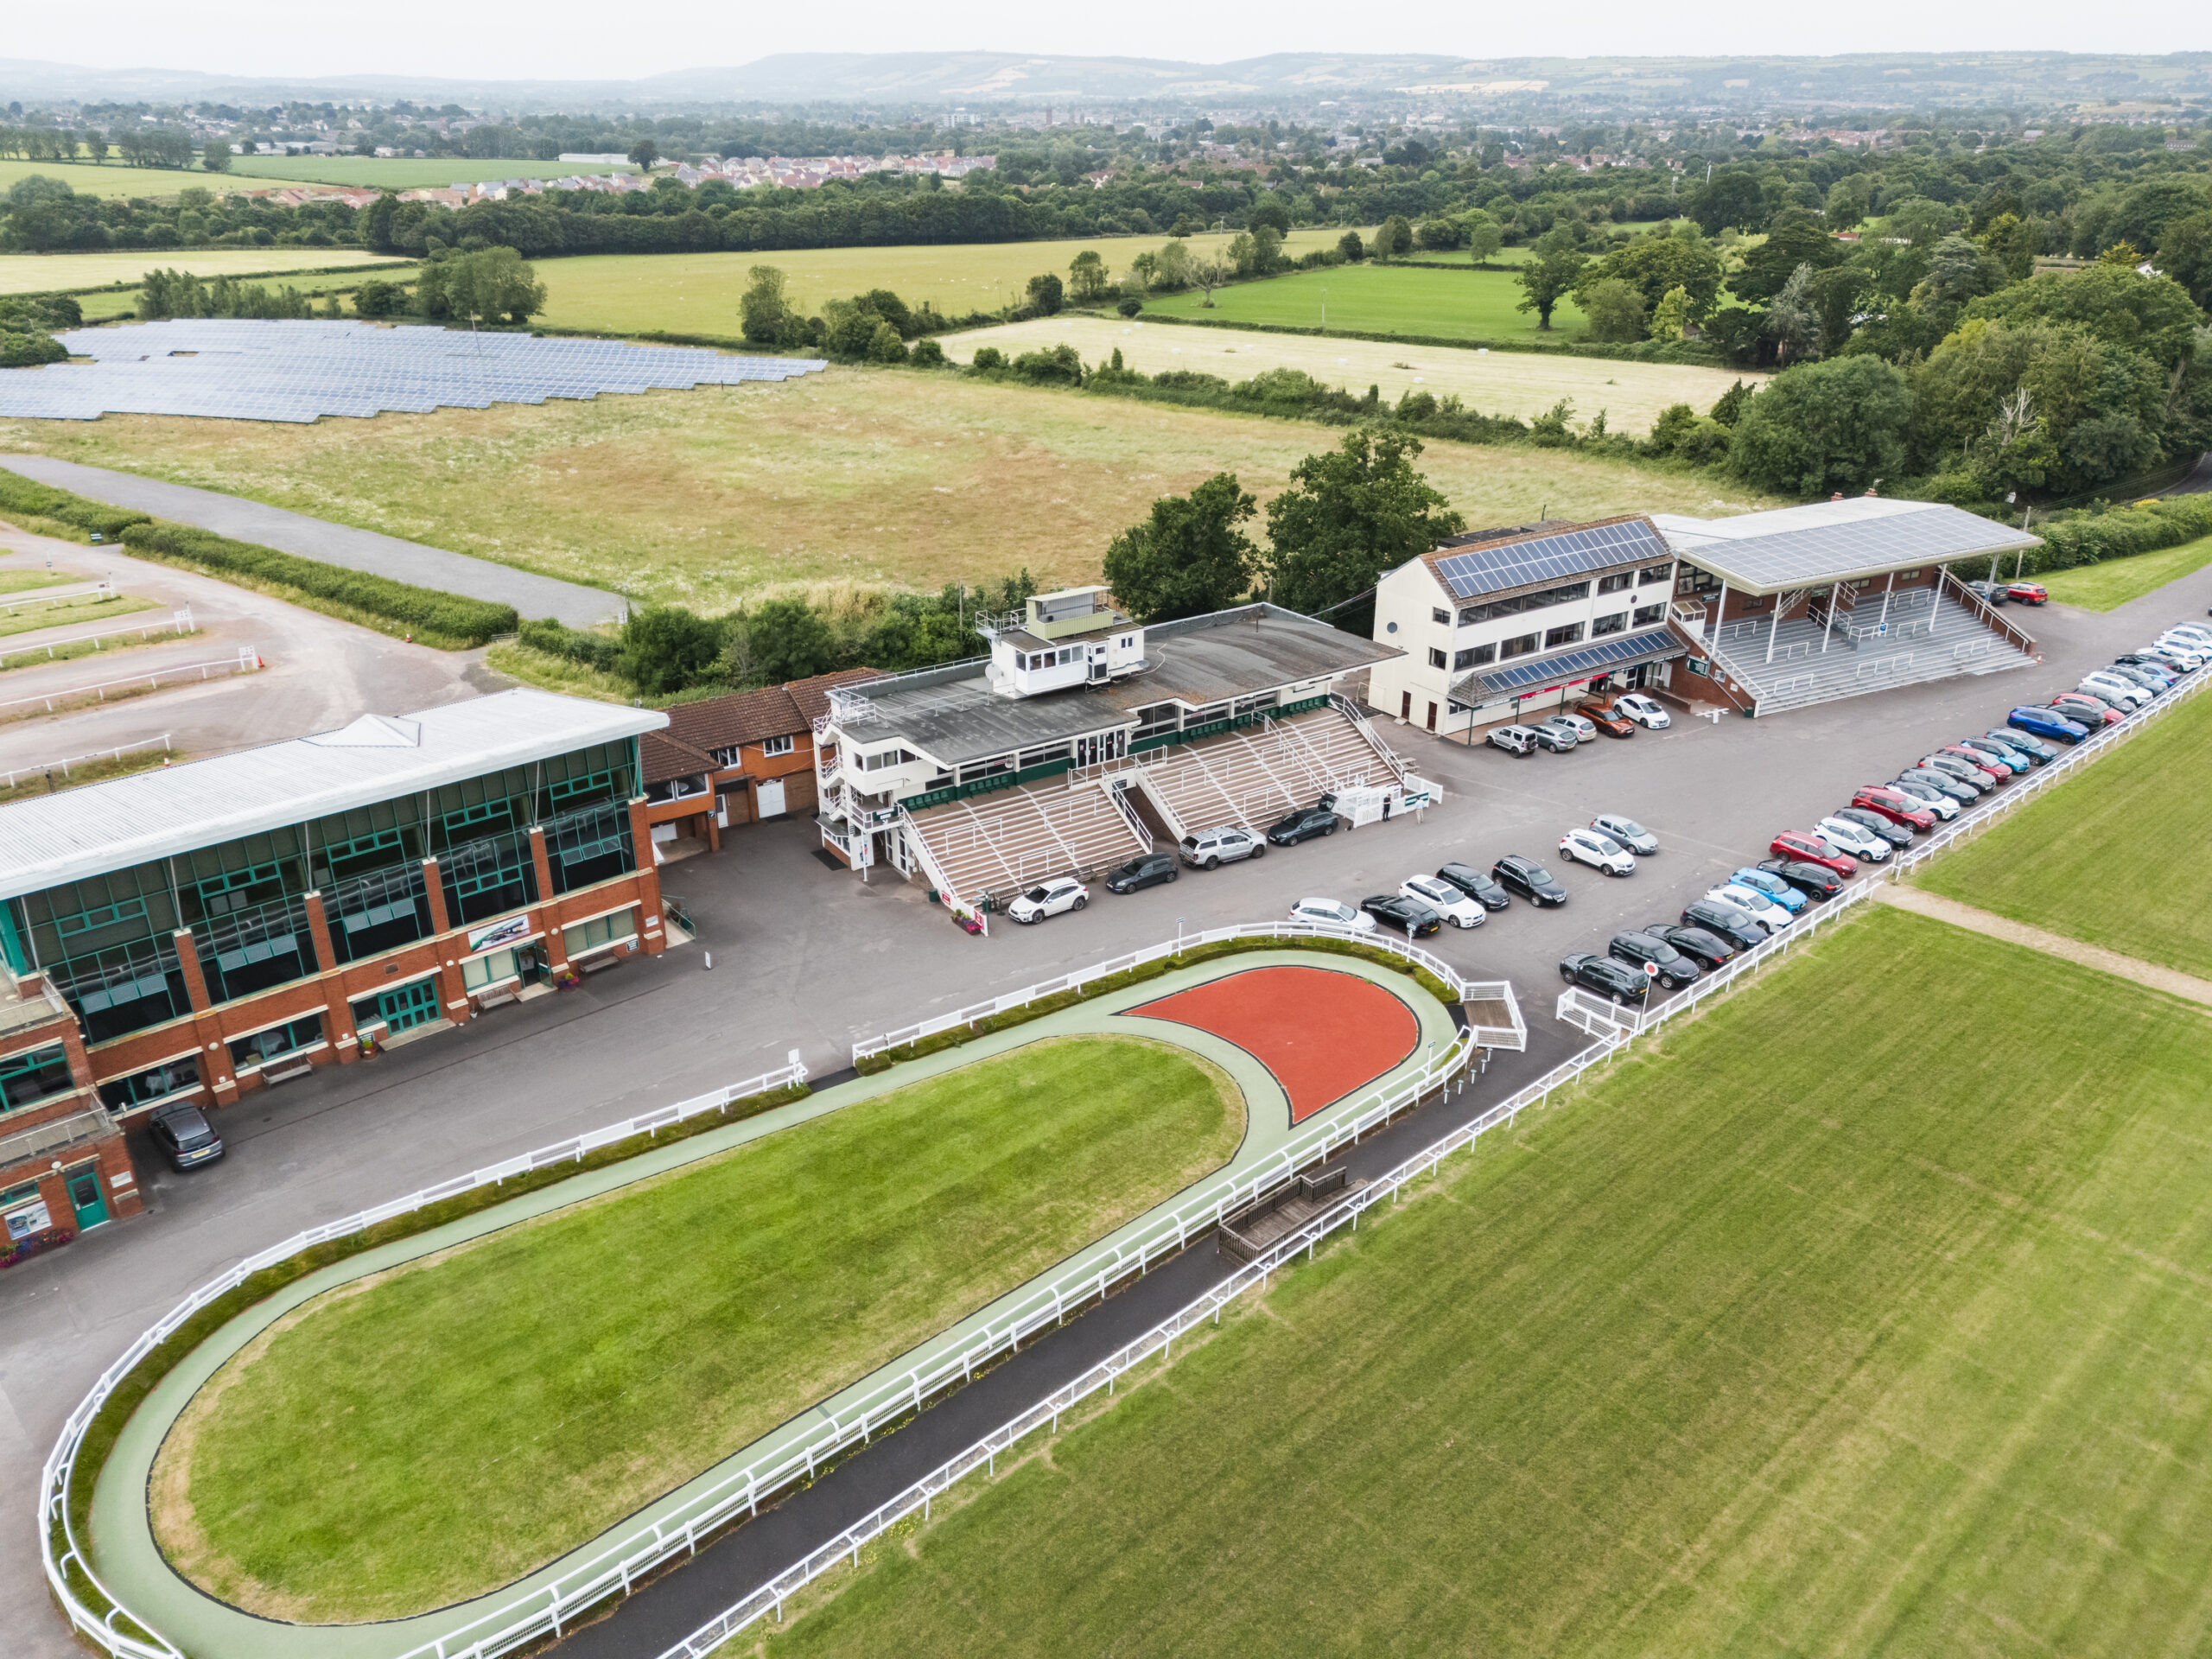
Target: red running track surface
{"points": [[1322, 1034]]}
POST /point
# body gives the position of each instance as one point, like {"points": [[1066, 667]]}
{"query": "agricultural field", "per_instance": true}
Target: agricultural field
{"points": [[2111, 584], [698, 293], [2114, 856], [1756, 1346], [48, 273], [676, 1320], [1454, 304], [1497, 382], [402, 172], [875, 477], [113, 179]]}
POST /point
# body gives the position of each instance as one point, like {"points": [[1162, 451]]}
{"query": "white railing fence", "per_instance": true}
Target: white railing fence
{"points": [[180, 622], [115, 753], [54, 1495], [245, 661]]}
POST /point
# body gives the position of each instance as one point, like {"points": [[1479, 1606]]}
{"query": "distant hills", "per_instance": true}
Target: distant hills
{"points": [[1288, 81]]}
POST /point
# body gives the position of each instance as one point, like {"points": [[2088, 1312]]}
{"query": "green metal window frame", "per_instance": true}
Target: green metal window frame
{"points": [[335, 853], [606, 781], [214, 886], [513, 864], [92, 918], [30, 1062], [467, 817]]}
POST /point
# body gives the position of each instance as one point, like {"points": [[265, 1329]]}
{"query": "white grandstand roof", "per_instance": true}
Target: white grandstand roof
{"points": [[1833, 541], [51, 839]]}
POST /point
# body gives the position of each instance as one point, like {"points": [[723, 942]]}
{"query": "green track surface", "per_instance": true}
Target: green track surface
{"points": [[1817, 1330], [426, 1435], [1474, 305], [2116, 855], [2111, 584]]}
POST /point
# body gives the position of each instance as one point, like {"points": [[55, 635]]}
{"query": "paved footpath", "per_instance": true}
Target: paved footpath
{"points": [[317, 539], [2188, 987]]}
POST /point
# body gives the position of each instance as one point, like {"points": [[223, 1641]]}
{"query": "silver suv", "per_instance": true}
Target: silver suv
{"points": [[1212, 849]]}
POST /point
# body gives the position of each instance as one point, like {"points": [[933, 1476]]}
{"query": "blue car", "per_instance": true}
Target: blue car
{"points": [[1766, 882], [2047, 722], [2027, 746]]}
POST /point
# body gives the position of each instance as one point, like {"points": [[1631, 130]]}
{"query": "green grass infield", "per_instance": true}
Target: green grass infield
{"points": [[439, 1429], [2109, 585], [1812, 1328]]}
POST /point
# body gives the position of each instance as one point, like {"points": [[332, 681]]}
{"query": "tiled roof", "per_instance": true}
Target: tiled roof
{"points": [[748, 717], [664, 757]]}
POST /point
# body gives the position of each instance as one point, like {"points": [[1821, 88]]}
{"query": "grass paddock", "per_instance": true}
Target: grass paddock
{"points": [[2109, 585], [1472, 305]]}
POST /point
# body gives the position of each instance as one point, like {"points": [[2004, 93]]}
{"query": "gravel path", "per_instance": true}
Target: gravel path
{"points": [[2188, 987]]}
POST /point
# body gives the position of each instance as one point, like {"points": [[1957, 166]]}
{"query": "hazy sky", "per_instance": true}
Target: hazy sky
{"points": [[564, 40]]}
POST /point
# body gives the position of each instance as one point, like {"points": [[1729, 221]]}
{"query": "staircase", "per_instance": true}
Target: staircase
{"points": [[1255, 776], [1001, 843], [1928, 635]]}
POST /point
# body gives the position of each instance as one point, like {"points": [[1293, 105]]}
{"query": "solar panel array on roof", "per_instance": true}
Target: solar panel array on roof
{"points": [[1552, 557], [1621, 649], [252, 370], [1827, 552]]}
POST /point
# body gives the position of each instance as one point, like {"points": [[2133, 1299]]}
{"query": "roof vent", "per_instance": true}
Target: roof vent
{"points": [[372, 732]]}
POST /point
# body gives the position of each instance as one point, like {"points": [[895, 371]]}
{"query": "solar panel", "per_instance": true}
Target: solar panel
{"points": [[298, 371], [1555, 556], [1649, 645], [1929, 534]]}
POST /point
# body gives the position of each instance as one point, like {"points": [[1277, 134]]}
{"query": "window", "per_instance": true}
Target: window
{"points": [[124, 989], [1474, 657], [676, 789], [1618, 583], [880, 762], [170, 1077], [1605, 624], [1519, 602], [236, 890], [1435, 658], [377, 847], [489, 969], [1648, 615], [484, 878], [1567, 636], [1657, 573], [1750, 602], [1519, 645], [376, 913], [40, 1074], [1697, 582], [600, 932], [269, 944], [592, 844], [1440, 617], [265, 1045], [777, 745]]}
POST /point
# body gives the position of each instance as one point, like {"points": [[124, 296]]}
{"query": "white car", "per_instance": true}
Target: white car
{"points": [[2187, 646], [1328, 913], [2177, 657], [2113, 689], [1929, 796], [1751, 899], [1853, 838], [1049, 899], [1597, 850], [2194, 630], [1627, 831], [1643, 710], [1440, 896]]}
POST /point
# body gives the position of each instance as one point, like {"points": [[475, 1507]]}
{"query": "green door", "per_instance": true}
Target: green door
{"points": [[409, 1006], [85, 1196]]}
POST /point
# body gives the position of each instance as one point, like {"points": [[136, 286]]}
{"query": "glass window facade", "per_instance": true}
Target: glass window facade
{"points": [[381, 911], [601, 930], [170, 1077], [277, 1042], [256, 950], [489, 877], [39, 1074], [592, 844]]}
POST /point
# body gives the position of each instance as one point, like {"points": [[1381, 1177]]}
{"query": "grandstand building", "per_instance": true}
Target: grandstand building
{"points": [[1085, 737]]}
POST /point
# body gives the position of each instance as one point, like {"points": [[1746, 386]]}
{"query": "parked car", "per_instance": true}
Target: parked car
{"points": [[2121, 694], [1049, 899], [1600, 852], [1926, 796], [1878, 824], [2027, 593], [1150, 870], [1585, 729], [1853, 838], [1816, 881], [2196, 631], [1768, 885], [1409, 916], [1609, 978], [1212, 849], [1606, 720], [1627, 831], [1514, 739], [1744, 931], [1517, 874], [1674, 968], [1707, 949], [2026, 745], [2174, 657], [185, 1136], [1894, 804], [1557, 736], [1989, 592], [1302, 825], [1446, 901], [1996, 748], [1957, 788], [1958, 766], [1811, 850], [2155, 679], [1644, 711], [1997, 770], [2092, 712], [2048, 723], [1754, 903], [1476, 884], [1327, 913]]}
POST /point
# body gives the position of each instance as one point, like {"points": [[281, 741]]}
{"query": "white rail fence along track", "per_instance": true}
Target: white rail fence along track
{"points": [[180, 622], [245, 661], [115, 753]]}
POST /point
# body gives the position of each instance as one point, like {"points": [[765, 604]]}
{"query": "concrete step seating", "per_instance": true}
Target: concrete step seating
{"points": [[1254, 776], [1922, 641], [1001, 843]]}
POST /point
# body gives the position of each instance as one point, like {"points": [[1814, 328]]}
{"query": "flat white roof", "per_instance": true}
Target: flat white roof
{"points": [[51, 839], [1833, 541]]}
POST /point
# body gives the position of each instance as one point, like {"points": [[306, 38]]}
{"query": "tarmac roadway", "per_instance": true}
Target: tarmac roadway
{"points": [[802, 957]]}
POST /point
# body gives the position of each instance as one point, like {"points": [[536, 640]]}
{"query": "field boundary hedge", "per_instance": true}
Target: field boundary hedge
{"points": [[28, 496], [2085, 539]]}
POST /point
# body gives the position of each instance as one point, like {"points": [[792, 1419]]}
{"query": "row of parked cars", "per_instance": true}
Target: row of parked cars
{"points": [[1560, 733], [1810, 866]]}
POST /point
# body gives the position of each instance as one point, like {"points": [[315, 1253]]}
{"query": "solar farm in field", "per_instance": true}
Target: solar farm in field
{"points": [[299, 371]]}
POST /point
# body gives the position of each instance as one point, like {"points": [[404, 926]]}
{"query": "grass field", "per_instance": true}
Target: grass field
{"points": [[1497, 382], [698, 293], [112, 180], [2114, 856], [877, 477], [89, 771], [18, 582], [402, 172], [399, 1445], [1773, 1346], [40, 273], [1472, 305], [62, 613], [2107, 586]]}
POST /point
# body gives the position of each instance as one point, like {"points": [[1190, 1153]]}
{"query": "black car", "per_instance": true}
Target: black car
{"points": [[1875, 824], [1409, 916], [1675, 969], [1476, 886], [1528, 879], [1148, 871], [1303, 824], [1708, 950], [1605, 976], [1740, 928], [1816, 881], [184, 1137]]}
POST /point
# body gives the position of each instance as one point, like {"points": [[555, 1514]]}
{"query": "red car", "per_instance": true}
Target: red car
{"points": [[1895, 805], [1813, 850], [2027, 593], [1988, 763]]}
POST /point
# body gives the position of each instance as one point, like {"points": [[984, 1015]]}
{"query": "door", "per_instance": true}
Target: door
{"points": [[1432, 717], [1405, 705], [768, 797], [85, 1196], [409, 1006]]}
